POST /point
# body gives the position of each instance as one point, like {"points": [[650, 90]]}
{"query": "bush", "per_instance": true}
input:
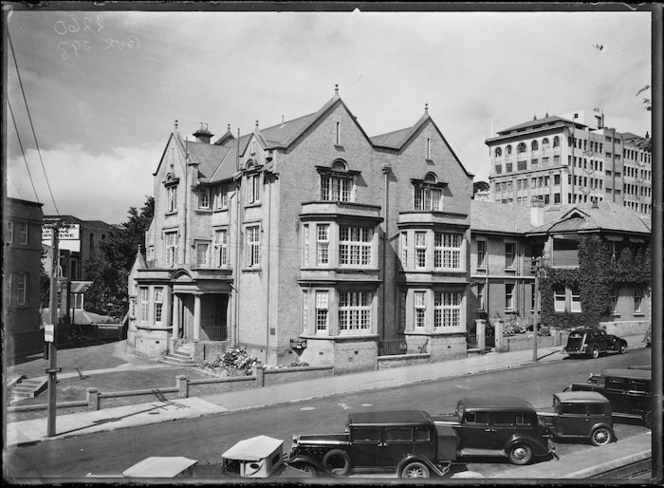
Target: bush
{"points": [[234, 362]]}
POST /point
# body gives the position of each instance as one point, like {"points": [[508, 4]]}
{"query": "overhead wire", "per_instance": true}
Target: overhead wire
{"points": [[11, 111], [25, 100]]}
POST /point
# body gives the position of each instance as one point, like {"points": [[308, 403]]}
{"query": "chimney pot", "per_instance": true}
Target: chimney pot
{"points": [[176, 124], [426, 108], [336, 89]]}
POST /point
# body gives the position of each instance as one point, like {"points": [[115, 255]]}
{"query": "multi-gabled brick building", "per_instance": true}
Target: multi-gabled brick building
{"points": [[308, 238]]}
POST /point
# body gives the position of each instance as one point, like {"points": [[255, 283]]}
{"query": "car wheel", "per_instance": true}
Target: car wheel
{"points": [[306, 467], [623, 349], [520, 454], [337, 462], [595, 352], [415, 470], [601, 436]]}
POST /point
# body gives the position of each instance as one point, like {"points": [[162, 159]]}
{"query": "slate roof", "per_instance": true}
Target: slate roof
{"points": [[534, 123], [208, 156], [607, 216], [277, 135], [499, 217], [227, 166], [393, 140]]}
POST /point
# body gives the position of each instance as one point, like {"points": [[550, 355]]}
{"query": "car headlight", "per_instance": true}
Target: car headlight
{"points": [[295, 441]]}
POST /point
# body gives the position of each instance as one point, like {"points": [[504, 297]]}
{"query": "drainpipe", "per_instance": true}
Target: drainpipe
{"points": [[387, 169], [186, 195], [267, 273], [237, 269]]}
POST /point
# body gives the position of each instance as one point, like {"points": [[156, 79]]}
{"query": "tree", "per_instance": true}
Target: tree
{"points": [[480, 186], [110, 269]]}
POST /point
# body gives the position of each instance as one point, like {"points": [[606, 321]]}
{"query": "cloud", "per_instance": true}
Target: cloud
{"points": [[88, 186]]}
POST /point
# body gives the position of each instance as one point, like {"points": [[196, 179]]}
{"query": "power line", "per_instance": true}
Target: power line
{"points": [[22, 151], [20, 82], [15, 187]]}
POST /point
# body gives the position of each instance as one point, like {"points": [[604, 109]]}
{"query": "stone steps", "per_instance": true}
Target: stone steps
{"points": [[180, 357], [28, 388]]}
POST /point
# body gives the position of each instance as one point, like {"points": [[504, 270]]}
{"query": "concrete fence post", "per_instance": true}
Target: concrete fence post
{"points": [[259, 373], [182, 385], [501, 341], [92, 396], [480, 334]]}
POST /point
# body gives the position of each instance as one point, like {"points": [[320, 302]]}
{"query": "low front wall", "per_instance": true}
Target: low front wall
{"points": [[287, 375], [520, 342], [400, 360], [352, 356], [632, 327]]}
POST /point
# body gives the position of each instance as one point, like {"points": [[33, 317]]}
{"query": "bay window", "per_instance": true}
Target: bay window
{"points": [[354, 312], [447, 250], [447, 310], [323, 244], [420, 250], [355, 245], [158, 303]]}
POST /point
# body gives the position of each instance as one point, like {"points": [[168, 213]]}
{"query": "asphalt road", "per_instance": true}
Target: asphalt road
{"points": [[206, 438]]}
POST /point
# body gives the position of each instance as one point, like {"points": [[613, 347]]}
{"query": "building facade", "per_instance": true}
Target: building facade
{"points": [[571, 159], [505, 238], [21, 273], [307, 240]]}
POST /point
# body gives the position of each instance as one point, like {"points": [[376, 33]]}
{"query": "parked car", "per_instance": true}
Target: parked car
{"points": [[404, 442], [628, 390], [498, 426], [261, 457], [593, 342], [580, 414]]}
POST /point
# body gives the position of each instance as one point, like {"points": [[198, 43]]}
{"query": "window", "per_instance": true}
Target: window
{"points": [[576, 299], [481, 254], [556, 141], [420, 308], [366, 434], [559, 298], [172, 195], [480, 296], [556, 198], [556, 179], [498, 152], [428, 199], [204, 198], [21, 291], [509, 296], [171, 256], [221, 248], [336, 188], [202, 254], [355, 246], [150, 253], [428, 148], [337, 133], [322, 244], [638, 299], [404, 249], [221, 197], [447, 310], [420, 250], [10, 232], [447, 250], [23, 232], [401, 434], [354, 311], [422, 434], [158, 303], [521, 148], [509, 254], [499, 169], [534, 146], [143, 296], [321, 310], [253, 188], [508, 167], [253, 246]]}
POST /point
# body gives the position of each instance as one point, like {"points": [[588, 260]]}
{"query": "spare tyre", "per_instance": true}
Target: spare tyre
{"points": [[337, 462]]}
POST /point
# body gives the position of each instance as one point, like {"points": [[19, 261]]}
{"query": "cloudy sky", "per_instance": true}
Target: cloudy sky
{"points": [[104, 88]]}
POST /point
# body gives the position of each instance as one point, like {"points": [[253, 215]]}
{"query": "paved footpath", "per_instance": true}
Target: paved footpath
{"points": [[33, 431]]}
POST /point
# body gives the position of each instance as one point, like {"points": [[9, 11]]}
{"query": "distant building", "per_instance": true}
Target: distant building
{"points": [[569, 159], [505, 238], [21, 277], [78, 242], [306, 239]]}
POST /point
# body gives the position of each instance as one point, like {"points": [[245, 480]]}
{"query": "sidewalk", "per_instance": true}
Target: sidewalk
{"points": [[33, 431]]}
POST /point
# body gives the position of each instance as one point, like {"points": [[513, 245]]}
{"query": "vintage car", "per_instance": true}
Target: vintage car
{"points": [[258, 457], [403, 442], [593, 342], [580, 415], [628, 390], [497, 427]]}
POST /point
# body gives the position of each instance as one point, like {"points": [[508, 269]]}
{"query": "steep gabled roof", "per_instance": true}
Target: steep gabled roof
{"points": [[227, 166], [207, 156], [278, 135], [499, 217], [583, 217], [392, 140]]}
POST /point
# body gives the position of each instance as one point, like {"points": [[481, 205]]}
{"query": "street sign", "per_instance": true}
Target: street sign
{"points": [[49, 332]]}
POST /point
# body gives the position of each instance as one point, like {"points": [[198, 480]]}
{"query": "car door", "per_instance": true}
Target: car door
{"points": [[397, 443], [366, 448], [614, 391], [503, 425], [475, 431], [574, 420]]}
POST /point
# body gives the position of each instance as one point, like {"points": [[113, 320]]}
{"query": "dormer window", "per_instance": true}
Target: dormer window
{"points": [[428, 193], [337, 184]]}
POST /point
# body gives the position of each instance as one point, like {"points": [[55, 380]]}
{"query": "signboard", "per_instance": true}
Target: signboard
{"points": [[49, 332], [68, 232]]}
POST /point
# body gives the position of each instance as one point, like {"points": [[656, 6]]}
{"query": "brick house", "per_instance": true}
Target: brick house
{"points": [[306, 240], [506, 237], [21, 277]]}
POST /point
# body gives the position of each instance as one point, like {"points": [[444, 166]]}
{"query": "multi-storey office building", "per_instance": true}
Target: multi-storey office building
{"points": [[21, 276], [570, 159], [306, 238]]}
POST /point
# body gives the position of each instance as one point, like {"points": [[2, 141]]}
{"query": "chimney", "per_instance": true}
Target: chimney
{"points": [[536, 212], [203, 134]]}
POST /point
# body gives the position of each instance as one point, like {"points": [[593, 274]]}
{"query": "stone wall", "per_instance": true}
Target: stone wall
{"points": [[355, 356], [632, 327], [400, 360], [288, 375]]}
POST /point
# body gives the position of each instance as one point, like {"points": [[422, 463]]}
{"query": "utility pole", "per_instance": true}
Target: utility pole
{"points": [[52, 333], [536, 267]]}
